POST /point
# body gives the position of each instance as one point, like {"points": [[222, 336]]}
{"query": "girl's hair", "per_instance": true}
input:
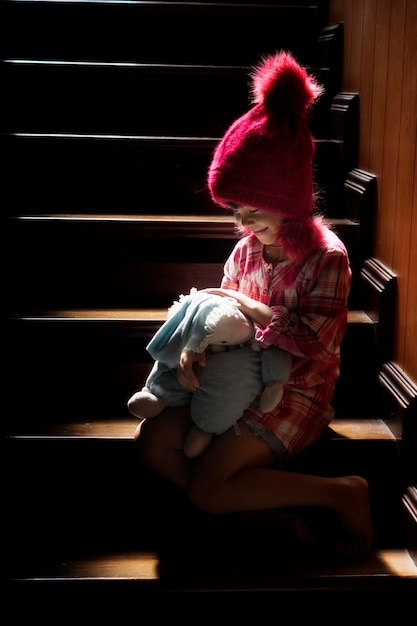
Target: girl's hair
{"points": [[299, 238]]}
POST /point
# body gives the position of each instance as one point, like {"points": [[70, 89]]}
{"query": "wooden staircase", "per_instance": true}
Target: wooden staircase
{"points": [[110, 115]]}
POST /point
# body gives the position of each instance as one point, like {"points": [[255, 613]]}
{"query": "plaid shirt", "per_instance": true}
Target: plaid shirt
{"points": [[309, 306]]}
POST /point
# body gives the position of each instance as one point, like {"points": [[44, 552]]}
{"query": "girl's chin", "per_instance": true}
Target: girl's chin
{"points": [[267, 241]]}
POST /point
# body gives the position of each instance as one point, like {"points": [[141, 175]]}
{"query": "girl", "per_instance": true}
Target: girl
{"points": [[291, 276]]}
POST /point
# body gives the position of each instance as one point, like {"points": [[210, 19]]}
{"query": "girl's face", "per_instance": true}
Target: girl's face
{"points": [[263, 224]]}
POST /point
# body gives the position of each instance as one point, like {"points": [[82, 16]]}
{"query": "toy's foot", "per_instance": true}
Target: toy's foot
{"points": [[197, 442], [271, 396], [145, 404]]}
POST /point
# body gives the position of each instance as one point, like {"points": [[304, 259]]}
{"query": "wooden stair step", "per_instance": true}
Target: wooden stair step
{"points": [[126, 321], [131, 98], [392, 564], [112, 343], [123, 428], [108, 521], [96, 442], [163, 225], [139, 174], [182, 32], [345, 448], [218, 229], [114, 251], [103, 486], [378, 595]]}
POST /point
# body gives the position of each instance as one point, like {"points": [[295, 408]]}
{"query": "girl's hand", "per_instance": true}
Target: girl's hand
{"points": [[218, 291], [230, 293], [256, 311], [185, 372]]}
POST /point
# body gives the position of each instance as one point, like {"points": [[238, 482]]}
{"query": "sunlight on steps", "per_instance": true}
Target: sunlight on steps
{"points": [[146, 566], [141, 314], [143, 566], [399, 562], [120, 217], [124, 427], [361, 429]]}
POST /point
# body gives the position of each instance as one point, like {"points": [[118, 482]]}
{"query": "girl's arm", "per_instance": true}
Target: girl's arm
{"points": [[258, 312], [315, 326]]}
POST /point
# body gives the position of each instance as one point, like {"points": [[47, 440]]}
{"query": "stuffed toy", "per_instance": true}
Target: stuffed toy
{"points": [[237, 371]]}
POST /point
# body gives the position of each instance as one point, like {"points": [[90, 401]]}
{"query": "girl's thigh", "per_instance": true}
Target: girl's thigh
{"points": [[234, 451], [167, 430]]}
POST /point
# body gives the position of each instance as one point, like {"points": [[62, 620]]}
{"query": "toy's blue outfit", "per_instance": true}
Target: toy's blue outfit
{"points": [[232, 378]]}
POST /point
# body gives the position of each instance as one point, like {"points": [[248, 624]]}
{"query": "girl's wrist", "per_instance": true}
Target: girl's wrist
{"points": [[260, 313]]}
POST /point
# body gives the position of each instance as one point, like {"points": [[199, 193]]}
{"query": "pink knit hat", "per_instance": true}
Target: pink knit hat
{"points": [[265, 159]]}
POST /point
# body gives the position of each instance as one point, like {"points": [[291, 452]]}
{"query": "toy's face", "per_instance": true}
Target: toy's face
{"points": [[232, 330]]}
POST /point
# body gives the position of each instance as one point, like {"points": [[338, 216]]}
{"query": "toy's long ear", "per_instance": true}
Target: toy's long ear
{"points": [[165, 344], [183, 328]]}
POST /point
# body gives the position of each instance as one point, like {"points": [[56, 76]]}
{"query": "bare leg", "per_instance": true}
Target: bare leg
{"points": [[235, 474], [160, 442]]}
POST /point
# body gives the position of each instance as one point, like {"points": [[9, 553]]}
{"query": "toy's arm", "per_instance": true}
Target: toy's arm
{"points": [[185, 371]]}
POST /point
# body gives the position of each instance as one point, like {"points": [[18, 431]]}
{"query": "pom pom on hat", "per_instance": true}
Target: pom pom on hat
{"points": [[265, 159], [283, 87]]}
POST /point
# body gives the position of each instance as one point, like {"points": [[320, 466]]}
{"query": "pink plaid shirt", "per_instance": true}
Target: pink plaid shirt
{"points": [[309, 320]]}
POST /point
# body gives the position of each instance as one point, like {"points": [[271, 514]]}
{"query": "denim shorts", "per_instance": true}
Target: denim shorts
{"points": [[277, 447]]}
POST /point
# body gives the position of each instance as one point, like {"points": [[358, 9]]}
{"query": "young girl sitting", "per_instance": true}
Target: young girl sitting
{"points": [[291, 276]]}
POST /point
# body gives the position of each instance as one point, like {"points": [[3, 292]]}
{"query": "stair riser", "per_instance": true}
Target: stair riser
{"points": [[59, 264], [138, 175], [91, 369], [141, 100], [181, 32]]}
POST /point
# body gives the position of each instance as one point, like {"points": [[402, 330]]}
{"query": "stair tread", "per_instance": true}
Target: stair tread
{"points": [[113, 344], [122, 428], [125, 169], [154, 139], [281, 573], [110, 101], [172, 219], [129, 217], [139, 314], [176, 26]]}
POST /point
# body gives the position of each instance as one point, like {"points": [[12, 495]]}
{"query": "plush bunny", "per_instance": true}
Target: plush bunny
{"points": [[237, 369]]}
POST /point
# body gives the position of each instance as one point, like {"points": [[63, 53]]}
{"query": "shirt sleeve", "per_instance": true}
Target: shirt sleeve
{"points": [[316, 327]]}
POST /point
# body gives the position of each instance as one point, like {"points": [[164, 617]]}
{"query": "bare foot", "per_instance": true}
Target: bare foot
{"points": [[353, 510]]}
